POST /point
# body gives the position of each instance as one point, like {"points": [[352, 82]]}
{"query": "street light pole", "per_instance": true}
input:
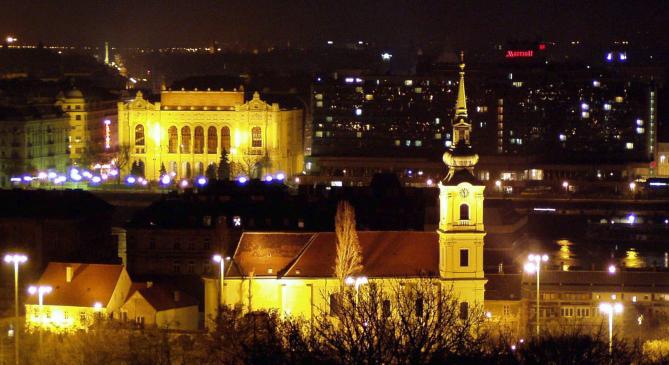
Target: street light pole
{"points": [[40, 290], [221, 261], [534, 265], [16, 259], [610, 310]]}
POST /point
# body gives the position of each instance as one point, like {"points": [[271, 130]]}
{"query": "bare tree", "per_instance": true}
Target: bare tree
{"points": [[349, 254], [121, 158], [416, 321]]}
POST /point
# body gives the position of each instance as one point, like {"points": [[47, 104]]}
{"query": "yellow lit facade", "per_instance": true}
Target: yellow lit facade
{"points": [[186, 132], [81, 294], [267, 274], [91, 124]]}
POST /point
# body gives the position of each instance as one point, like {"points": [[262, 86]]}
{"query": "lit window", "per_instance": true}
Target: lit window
{"points": [[139, 135], [397, 142], [319, 134], [585, 114], [173, 139], [225, 138], [358, 111], [358, 134], [639, 122], [319, 104], [419, 143], [629, 145], [619, 99], [639, 130], [407, 143], [607, 106], [319, 96], [562, 137], [408, 82], [328, 118], [256, 137], [464, 212]]}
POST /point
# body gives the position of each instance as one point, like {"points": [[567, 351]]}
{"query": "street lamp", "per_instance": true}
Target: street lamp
{"points": [[40, 291], [565, 185], [356, 282], [16, 259], [221, 261], [534, 265], [610, 310], [498, 185], [612, 269]]}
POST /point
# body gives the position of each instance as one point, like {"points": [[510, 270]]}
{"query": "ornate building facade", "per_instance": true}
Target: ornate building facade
{"points": [[186, 132]]}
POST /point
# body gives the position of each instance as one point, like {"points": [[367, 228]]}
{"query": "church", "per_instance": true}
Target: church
{"points": [[293, 273], [185, 132]]}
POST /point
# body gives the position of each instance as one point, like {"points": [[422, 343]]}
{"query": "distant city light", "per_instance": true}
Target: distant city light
{"points": [[386, 56], [631, 219], [10, 39], [612, 269], [429, 182]]}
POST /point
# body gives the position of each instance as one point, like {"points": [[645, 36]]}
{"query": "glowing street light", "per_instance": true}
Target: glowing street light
{"points": [[610, 309], [612, 269], [565, 185], [498, 185], [16, 259], [219, 259], [534, 265], [356, 282], [40, 291], [632, 186]]}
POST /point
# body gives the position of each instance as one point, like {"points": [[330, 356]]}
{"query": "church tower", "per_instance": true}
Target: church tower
{"points": [[461, 228]]}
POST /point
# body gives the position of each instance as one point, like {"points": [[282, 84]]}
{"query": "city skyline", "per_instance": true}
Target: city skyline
{"points": [[262, 22]]}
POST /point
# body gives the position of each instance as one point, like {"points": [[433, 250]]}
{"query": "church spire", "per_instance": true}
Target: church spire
{"points": [[461, 103]]}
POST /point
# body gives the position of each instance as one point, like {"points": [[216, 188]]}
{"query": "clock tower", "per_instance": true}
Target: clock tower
{"points": [[461, 228]]}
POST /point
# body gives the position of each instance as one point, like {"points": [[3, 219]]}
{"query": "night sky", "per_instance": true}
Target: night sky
{"points": [[156, 23]]}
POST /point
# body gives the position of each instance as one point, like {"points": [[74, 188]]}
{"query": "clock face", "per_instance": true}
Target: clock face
{"points": [[464, 192]]}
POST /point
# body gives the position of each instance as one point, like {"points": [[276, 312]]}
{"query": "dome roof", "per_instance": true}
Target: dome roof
{"points": [[74, 94]]}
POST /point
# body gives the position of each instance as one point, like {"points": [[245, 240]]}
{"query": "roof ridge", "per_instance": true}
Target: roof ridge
{"points": [[297, 258]]}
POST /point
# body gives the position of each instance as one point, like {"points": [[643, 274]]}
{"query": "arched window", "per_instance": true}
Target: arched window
{"points": [[199, 168], [173, 167], [198, 142], [185, 140], [256, 137], [173, 140], [187, 170], [464, 212], [212, 140], [139, 135], [225, 138]]}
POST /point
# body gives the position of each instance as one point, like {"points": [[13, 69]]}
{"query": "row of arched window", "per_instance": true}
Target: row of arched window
{"points": [[198, 140]]}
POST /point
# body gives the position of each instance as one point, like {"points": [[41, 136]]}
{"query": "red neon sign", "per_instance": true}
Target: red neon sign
{"points": [[519, 54]]}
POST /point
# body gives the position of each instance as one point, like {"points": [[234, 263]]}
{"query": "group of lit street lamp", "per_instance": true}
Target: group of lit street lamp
{"points": [[16, 260], [534, 266]]}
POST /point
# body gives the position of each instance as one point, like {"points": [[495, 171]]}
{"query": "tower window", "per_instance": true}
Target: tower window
{"points": [[464, 212], [464, 257], [464, 310]]}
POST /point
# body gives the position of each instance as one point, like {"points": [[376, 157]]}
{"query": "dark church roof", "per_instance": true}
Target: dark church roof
{"points": [[461, 176], [312, 255]]}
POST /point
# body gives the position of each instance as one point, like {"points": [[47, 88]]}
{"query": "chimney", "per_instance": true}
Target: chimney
{"points": [[149, 284], [68, 273], [177, 296]]}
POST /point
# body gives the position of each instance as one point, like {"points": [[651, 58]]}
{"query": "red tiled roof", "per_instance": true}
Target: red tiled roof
{"points": [[259, 252], [90, 283], [385, 254], [163, 298]]}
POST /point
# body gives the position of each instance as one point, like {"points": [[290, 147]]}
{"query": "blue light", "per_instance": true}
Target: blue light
{"points": [[15, 179], [280, 176], [202, 181], [242, 180], [96, 179], [268, 178], [165, 180], [130, 180], [609, 57]]}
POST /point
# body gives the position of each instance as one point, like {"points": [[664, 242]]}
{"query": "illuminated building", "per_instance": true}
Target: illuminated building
{"points": [[81, 294], [156, 305], [292, 272], [32, 138], [380, 115], [92, 125], [186, 132]]}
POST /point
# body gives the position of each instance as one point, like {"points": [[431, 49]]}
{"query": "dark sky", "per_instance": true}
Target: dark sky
{"points": [[459, 23]]}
